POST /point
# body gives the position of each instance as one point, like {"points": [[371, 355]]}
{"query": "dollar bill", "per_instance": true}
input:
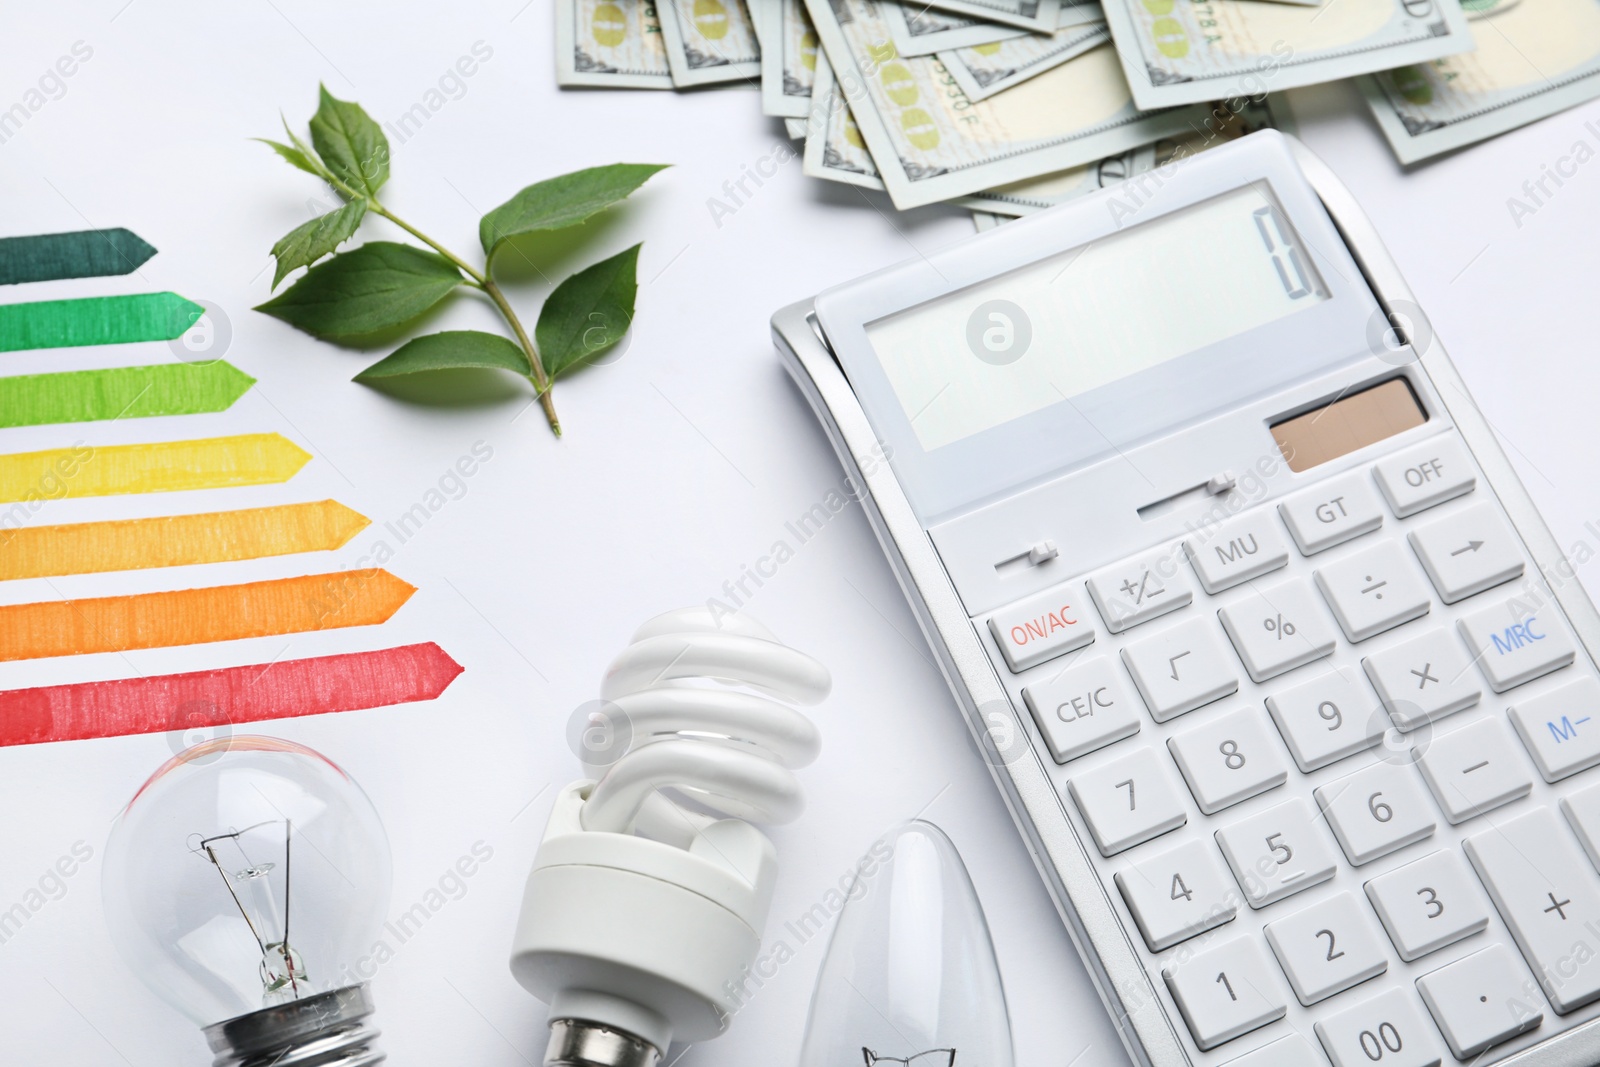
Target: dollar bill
{"points": [[709, 41], [1039, 16], [987, 69], [795, 128], [986, 220], [835, 149], [1534, 58], [1221, 125], [789, 61], [921, 31], [1186, 51], [610, 43], [930, 143]]}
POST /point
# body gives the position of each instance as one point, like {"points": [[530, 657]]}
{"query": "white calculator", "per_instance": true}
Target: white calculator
{"points": [[1285, 681]]}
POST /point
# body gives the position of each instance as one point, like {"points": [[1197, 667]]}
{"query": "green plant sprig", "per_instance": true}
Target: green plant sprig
{"points": [[384, 284]]}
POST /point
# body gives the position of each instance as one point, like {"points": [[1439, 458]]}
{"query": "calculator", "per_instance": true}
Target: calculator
{"points": [[1285, 682]]}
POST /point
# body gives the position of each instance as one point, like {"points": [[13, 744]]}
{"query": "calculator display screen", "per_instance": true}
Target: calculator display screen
{"points": [[1066, 325]]}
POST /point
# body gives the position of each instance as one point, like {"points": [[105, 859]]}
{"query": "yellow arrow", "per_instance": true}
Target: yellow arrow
{"points": [[163, 467], [176, 540]]}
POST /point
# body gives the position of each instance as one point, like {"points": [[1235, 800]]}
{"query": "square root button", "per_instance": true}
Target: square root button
{"points": [[1042, 627]]}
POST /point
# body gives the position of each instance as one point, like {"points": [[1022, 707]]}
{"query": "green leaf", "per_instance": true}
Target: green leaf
{"points": [[351, 145], [564, 201], [295, 157], [588, 313], [369, 288], [451, 350], [304, 245]]}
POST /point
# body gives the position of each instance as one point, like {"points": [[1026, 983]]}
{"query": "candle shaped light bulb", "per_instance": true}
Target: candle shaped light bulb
{"points": [[910, 975], [246, 884]]}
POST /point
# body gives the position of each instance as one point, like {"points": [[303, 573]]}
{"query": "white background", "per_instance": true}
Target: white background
{"points": [[682, 462]]}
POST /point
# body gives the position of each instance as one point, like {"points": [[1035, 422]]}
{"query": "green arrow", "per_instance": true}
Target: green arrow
{"points": [[83, 254], [99, 320], [120, 393]]}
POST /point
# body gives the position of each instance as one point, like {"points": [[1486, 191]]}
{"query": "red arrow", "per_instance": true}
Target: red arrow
{"points": [[204, 699]]}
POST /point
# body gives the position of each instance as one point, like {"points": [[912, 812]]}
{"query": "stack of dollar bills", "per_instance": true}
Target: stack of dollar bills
{"points": [[1010, 106]]}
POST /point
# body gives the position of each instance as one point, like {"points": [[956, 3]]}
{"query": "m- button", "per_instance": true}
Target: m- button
{"points": [[1041, 628]]}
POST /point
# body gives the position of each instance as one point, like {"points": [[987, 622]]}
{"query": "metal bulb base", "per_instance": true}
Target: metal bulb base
{"points": [[580, 1043], [326, 1030]]}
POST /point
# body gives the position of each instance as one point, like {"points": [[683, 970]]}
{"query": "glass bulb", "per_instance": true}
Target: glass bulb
{"points": [[910, 975], [247, 873]]}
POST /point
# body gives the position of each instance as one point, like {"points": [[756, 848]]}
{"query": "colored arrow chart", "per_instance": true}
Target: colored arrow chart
{"points": [[286, 689], [121, 393], [98, 320], [304, 604], [176, 540], [85, 254]]}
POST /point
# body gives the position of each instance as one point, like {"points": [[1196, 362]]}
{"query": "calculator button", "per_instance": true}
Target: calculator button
{"points": [[1129, 801], [1291, 1051], [1374, 590], [1582, 810], [1226, 991], [1428, 904], [1424, 475], [1277, 628], [1467, 552], [1561, 728], [1548, 898], [1041, 628], [1180, 669], [1424, 679], [1388, 1029], [1327, 948], [1138, 590], [1236, 551], [1178, 894], [1332, 513], [1375, 811], [1229, 759], [1479, 1001], [1514, 646], [1276, 853], [1473, 770], [1326, 718], [1084, 708]]}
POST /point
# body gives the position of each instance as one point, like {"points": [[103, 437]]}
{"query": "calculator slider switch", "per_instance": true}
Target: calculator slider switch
{"points": [[1221, 482], [1041, 628]]}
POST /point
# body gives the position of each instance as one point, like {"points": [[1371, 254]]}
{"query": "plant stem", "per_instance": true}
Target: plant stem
{"points": [[482, 280]]}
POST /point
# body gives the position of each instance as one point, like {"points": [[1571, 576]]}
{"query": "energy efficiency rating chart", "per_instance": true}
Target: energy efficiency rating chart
{"points": [[322, 600]]}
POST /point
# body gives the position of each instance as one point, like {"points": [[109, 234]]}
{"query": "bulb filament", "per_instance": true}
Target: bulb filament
{"points": [[249, 883]]}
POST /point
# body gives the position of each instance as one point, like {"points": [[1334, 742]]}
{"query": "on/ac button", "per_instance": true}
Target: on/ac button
{"points": [[1041, 628]]}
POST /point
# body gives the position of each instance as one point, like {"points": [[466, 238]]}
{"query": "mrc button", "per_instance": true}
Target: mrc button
{"points": [[1514, 642], [1042, 628], [1424, 475]]}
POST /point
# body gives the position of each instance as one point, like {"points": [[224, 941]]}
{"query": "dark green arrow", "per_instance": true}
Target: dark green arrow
{"points": [[120, 393], [83, 254], [99, 320]]}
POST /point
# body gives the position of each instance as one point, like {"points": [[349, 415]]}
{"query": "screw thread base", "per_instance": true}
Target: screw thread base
{"points": [[326, 1030], [580, 1043]]}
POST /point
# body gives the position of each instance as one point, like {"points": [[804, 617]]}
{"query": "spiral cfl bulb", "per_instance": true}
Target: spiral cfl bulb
{"points": [[241, 883], [644, 908]]}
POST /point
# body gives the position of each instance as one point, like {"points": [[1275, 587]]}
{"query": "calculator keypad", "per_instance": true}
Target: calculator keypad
{"points": [[1317, 733]]}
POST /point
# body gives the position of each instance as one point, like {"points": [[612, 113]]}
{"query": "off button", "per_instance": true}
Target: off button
{"points": [[1042, 627], [1427, 474]]}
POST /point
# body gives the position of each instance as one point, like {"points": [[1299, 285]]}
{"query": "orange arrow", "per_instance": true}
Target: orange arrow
{"points": [[176, 540], [197, 616]]}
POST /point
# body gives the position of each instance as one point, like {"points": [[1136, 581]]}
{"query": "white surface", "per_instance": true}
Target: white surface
{"points": [[682, 464]]}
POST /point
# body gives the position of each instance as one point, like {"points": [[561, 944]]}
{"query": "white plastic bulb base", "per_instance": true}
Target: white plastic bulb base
{"points": [[636, 939]]}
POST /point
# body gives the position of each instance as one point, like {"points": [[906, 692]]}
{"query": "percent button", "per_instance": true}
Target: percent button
{"points": [[1277, 628]]}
